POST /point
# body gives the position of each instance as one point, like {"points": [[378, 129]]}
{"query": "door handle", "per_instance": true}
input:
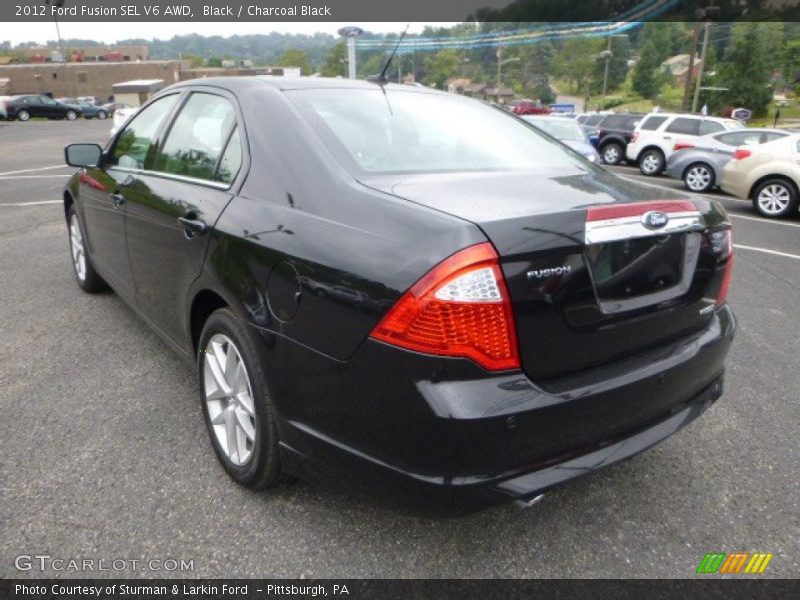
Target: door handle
{"points": [[192, 228], [118, 200]]}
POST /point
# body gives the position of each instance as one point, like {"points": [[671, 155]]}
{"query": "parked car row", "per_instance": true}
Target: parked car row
{"points": [[27, 106]]}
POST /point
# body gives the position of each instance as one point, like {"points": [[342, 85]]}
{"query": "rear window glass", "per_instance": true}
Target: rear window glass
{"points": [[593, 119], [683, 126], [400, 131], [652, 123]]}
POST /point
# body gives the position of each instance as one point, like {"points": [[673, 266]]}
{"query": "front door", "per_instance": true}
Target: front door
{"points": [[105, 192], [177, 203]]}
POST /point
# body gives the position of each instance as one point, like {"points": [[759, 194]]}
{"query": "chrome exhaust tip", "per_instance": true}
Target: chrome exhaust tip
{"points": [[528, 503]]}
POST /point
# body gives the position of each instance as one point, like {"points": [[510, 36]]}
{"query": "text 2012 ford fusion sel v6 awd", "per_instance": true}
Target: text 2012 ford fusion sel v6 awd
{"points": [[403, 291]]}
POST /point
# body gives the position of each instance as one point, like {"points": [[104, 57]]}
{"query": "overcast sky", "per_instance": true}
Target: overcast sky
{"points": [[109, 33]]}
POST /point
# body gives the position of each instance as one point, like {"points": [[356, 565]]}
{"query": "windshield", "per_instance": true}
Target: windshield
{"points": [[561, 130], [408, 131]]}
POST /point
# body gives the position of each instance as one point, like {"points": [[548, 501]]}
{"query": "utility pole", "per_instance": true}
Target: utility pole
{"points": [[693, 49], [607, 56], [702, 67]]}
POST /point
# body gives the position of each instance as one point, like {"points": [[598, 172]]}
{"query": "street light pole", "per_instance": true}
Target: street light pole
{"points": [[350, 34], [607, 55]]}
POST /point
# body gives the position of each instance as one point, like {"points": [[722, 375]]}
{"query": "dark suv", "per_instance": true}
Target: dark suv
{"points": [[39, 105], [613, 134]]}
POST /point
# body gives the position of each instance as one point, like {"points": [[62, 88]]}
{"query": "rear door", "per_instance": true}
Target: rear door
{"points": [[179, 200]]}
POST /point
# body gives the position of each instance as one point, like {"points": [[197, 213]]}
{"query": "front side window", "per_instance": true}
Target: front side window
{"points": [[683, 126], [198, 137], [395, 131], [137, 144]]}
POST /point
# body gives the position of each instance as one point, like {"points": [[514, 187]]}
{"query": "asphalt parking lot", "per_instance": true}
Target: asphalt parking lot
{"points": [[104, 455]]}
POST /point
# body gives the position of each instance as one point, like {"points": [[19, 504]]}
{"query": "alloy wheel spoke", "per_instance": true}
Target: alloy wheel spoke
{"points": [[219, 378], [230, 432], [245, 424], [246, 402]]}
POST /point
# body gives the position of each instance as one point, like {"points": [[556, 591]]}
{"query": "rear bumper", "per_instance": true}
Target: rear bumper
{"points": [[427, 435]]}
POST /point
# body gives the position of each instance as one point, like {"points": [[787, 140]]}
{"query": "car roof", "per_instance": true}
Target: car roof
{"points": [[240, 84]]}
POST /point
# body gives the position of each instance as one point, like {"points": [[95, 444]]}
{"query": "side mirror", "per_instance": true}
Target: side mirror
{"points": [[83, 155]]}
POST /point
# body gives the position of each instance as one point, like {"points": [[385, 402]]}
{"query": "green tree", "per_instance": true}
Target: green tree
{"points": [[440, 67], [296, 58], [753, 55], [646, 76], [335, 64], [617, 65], [214, 62], [574, 62], [537, 65]]}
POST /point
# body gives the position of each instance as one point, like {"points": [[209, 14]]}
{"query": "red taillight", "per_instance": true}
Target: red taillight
{"points": [[741, 153], [682, 146], [634, 135], [460, 308], [727, 248]]}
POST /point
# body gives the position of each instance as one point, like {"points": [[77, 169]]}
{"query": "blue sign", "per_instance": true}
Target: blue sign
{"points": [[741, 114], [562, 108]]}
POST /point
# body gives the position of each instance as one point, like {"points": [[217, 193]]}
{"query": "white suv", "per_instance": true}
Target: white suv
{"points": [[653, 139]]}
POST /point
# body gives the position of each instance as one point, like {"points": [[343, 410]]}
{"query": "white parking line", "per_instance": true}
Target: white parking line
{"points": [[37, 203], [34, 170], [770, 221], [767, 251], [4, 177]]}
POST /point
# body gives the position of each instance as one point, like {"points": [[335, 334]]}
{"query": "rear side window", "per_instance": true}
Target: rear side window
{"points": [[614, 121], [771, 136], [136, 146], [231, 160], [683, 126], [740, 138], [707, 127], [652, 123], [198, 137]]}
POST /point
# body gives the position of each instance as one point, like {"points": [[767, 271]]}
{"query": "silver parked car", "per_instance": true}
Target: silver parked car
{"points": [[566, 131], [699, 162]]}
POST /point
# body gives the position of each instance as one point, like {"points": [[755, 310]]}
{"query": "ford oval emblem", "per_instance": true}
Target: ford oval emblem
{"points": [[655, 219]]}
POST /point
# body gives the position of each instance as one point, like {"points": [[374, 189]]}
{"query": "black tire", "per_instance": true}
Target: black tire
{"points": [[23, 115], [70, 115], [777, 190], [651, 162], [88, 280], [102, 115], [699, 177], [612, 153], [263, 468]]}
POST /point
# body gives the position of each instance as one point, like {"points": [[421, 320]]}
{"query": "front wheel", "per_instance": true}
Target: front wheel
{"points": [[652, 162], [775, 198], [237, 405], [71, 115], [612, 154], [699, 177], [101, 114], [23, 115], [88, 279]]}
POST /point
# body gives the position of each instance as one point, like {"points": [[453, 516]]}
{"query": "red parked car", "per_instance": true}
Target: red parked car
{"points": [[529, 107]]}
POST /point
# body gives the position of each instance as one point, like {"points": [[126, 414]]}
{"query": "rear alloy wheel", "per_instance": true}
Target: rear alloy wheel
{"points": [[652, 162], [101, 114], [698, 177], [71, 115], [88, 279], [612, 154], [775, 198], [23, 115], [237, 406]]}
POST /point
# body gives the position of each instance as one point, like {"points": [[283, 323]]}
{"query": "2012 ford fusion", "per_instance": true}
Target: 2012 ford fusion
{"points": [[401, 291]]}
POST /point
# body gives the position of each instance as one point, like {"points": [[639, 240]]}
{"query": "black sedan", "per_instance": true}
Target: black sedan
{"points": [[39, 105], [88, 110], [403, 291]]}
